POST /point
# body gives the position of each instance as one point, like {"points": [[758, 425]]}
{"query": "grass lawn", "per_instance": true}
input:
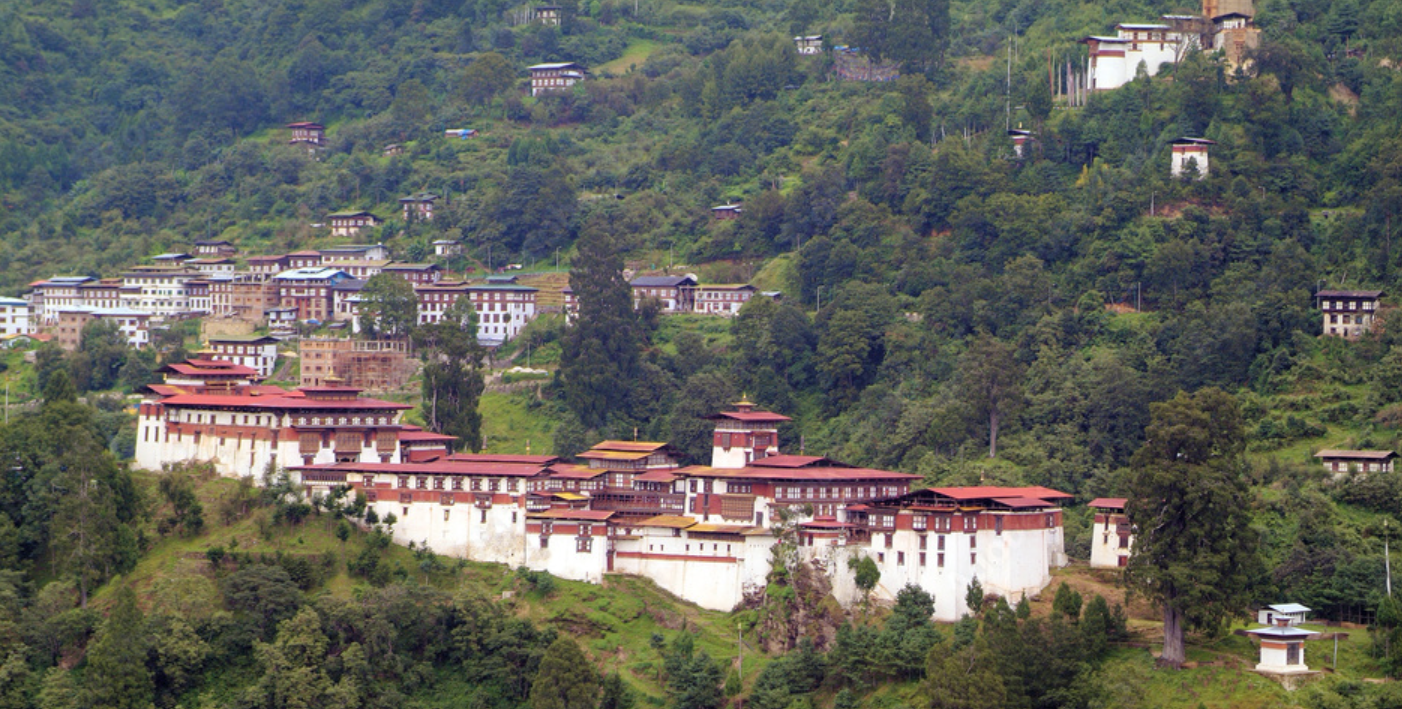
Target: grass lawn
{"points": [[509, 425], [633, 57]]}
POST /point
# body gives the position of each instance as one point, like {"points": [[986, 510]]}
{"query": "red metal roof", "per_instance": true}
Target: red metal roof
{"points": [[541, 460], [424, 436], [815, 474], [279, 402], [440, 466], [210, 368], [575, 472], [587, 515], [655, 476], [628, 446], [793, 461], [1109, 503], [990, 493], [1021, 502]]}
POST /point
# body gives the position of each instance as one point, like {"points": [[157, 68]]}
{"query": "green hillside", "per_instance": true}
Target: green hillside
{"points": [[948, 309]]}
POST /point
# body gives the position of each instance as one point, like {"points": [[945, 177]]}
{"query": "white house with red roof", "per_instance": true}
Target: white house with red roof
{"points": [[1111, 536]]}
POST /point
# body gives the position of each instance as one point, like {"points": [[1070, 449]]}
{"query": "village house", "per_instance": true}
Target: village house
{"points": [[392, 150], [313, 134], [213, 411], [351, 223], [134, 325], [257, 352], [303, 259], [243, 296], [809, 44], [197, 294], [48, 297], [555, 77], [1111, 536], [677, 294], [345, 300], [102, 293], [443, 248], [265, 267], [1189, 154], [213, 266], [1341, 462], [362, 269], [308, 290], [1291, 613], [416, 273], [418, 207], [159, 290], [1349, 313], [353, 252], [722, 299], [726, 212], [461, 133], [14, 317], [503, 306], [215, 248], [547, 15], [569, 303]]}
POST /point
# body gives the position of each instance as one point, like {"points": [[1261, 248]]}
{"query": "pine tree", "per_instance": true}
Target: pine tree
{"points": [[452, 383], [117, 677], [602, 352], [1194, 551], [566, 679]]}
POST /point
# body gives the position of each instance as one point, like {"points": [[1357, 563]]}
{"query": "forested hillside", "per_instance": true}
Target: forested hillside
{"points": [[949, 308]]}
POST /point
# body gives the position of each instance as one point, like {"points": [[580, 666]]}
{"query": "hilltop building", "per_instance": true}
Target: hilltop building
{"points": [[1349, 313], [352, 222], [418, 206], [809, 44], [257, 352], [1188, 154], [547, 15], [1341, 462], [555, 77], [1223, 25], [312, 134]]}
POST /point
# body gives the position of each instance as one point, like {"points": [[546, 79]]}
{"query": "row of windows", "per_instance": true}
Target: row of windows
{"points": [[1345, 305], [421, 482]]}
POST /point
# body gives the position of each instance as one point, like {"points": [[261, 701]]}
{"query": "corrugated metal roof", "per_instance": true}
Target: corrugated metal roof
{"points": [[1366, 455], [1109, 503], [667, 521], [648, 446], [585, 515], [718, 528]]}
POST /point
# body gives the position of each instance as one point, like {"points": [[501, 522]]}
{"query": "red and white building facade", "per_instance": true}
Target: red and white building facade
{"points": [[214, 411], [706, 533], [1111, 535]]}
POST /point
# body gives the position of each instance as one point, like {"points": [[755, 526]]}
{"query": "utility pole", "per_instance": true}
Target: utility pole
{"points": [[1387, 560], [1008, 96], [820, 297]]}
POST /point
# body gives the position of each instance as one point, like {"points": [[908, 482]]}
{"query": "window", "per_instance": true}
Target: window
{"points": [[583, 544], [973, 542], [880, 557], [998, 525], [919, 522], [940, 543], [457, 484], [1124, 541], [900, 558], [922, 558], [445, 515], [923, 541], [484, 515], [403, 481], [423, 482], [890, 538]]}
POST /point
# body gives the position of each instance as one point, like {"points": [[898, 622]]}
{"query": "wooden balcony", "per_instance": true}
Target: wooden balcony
{"points": [[640, 502]]}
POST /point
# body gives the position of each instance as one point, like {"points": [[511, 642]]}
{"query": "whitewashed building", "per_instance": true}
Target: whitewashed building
{"points": [[1189, 154], [257, 352], [1111, 536], [14, 317]]}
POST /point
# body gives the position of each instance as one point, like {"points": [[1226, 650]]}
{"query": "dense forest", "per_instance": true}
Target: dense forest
{"points": [[950, 308]]}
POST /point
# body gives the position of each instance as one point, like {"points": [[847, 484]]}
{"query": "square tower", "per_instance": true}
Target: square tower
{"points": [[744, 435]]}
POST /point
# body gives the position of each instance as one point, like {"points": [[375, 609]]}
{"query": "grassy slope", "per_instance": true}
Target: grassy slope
{"points": [[633, 57], [613, 622]]}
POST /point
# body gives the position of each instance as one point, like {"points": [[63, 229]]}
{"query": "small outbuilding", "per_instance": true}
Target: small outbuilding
{"points": [[1292, 613], [1190, 151]]}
